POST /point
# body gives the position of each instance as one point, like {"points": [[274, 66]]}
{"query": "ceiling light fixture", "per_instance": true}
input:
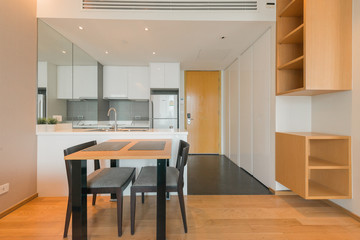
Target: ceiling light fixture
{"points": [[146, 29], [81, 28], [154, 53], [106, 52], [63, 51]]}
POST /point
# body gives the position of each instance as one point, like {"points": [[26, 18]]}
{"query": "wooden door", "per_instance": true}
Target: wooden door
{"points": [[202, 94]]}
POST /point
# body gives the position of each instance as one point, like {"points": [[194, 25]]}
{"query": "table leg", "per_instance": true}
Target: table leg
{"points": [[79, 199], [113, 163], [161, 200]]}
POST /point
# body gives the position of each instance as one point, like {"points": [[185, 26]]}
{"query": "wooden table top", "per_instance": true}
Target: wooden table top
{"points": [[125, 153]]}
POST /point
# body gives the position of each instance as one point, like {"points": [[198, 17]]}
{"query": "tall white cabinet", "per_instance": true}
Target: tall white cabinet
{"points": [[247, 105]]}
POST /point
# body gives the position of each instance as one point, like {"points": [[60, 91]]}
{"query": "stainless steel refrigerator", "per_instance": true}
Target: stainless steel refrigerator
{"points": [[164, 111]]}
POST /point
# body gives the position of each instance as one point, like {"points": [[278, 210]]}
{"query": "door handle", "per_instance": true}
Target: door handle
{"points": [[188, 115]]}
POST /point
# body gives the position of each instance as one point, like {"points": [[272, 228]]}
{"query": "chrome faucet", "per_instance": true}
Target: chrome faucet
{"points": [[108, 114]]}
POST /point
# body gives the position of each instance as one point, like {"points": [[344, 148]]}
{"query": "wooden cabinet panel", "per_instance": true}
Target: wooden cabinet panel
{"points": [[314, 165]]}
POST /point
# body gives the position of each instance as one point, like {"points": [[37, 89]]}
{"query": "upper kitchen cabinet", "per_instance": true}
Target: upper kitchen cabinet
{"points": [[314, 42], [115, 82], [164, 75], [64, 82], [138, 83], [85, 77]]}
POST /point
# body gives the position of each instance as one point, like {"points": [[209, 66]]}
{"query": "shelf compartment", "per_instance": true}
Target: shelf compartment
{"points": [[318, 163], [297, 63], [295, 36], [318, 191], [334, 151], [289, 80], [294, 9], [329, 183]]}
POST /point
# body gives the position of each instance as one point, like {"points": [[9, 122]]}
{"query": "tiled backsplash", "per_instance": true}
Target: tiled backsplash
{"points": [[131, 110], [82, 110], [126, 110]]}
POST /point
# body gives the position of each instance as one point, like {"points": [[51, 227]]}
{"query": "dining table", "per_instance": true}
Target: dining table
{"points": [[159, 149]]}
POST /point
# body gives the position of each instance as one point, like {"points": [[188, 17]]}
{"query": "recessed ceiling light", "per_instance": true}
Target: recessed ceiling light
{"points": [[63, 51], [154, 53], [81, 28], [146, 29], [106, 52]]}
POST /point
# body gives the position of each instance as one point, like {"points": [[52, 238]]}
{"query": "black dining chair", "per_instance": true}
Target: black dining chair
{"points": [[147, 181], [102, 180]]}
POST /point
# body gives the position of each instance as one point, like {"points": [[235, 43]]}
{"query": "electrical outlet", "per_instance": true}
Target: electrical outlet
{"points": [[4, 188]]}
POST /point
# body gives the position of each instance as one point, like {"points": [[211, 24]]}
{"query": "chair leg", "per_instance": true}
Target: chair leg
{"points": [[182, 207], [142, 197], [119, 197], [94, 199], [132, 209], [67, 218]]}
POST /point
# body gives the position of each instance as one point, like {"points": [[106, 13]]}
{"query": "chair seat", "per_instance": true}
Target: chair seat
{"points": [[109, 177], [148, 178]]}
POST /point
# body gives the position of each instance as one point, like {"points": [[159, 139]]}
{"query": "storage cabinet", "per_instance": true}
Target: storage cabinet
{"points": [[115, 83], [314, 165], [164, 75], [64, 82], [85, 82], [138, 83], [313, 46]]}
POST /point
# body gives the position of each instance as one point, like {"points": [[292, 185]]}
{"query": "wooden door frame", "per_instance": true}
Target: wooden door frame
{"points": [[219, 100]]}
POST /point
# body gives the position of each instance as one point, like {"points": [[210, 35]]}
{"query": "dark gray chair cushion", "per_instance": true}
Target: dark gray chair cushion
{"points": [[109, 177], [147, 177]]}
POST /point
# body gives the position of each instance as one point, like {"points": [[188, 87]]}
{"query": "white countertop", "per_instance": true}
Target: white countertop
{"points": [[98, 132]]}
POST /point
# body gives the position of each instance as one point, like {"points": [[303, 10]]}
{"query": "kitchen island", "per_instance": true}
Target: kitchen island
{"points": [[51, 175]]}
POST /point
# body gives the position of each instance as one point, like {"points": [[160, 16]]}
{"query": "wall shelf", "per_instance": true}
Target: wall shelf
{"points": [[314, 165], [297, 63], [295, 36], [293, 9]]}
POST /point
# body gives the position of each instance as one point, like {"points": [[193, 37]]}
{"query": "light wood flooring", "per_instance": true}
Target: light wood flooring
{"points": [[209, 217]]}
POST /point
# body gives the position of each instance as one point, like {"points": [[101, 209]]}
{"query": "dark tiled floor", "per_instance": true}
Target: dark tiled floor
{"points": [[217, 175]]}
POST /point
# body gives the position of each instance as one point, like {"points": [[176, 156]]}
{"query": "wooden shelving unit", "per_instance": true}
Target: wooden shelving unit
{"points": [[314, 165], [308, 41]]}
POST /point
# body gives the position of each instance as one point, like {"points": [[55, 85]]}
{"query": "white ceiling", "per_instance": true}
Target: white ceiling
{"points": [[197, 45]]}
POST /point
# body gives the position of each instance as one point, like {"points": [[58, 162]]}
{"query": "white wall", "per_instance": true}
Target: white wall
{"points": [[339, 113]]}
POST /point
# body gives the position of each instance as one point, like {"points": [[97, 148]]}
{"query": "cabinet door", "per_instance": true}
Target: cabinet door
{"points": [[157, 75], [138, 83], [64, 82], [261, 109], [234, 110], [115, 82], [172, 75], [85, 82], [246, 120], [42, 75]]}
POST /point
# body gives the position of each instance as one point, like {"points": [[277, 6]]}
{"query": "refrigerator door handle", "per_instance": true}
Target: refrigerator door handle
{"points": [[152, 114]]}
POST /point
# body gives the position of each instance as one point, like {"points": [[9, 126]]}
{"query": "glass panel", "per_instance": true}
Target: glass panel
{"points": [[54, 73], [83, 108]]}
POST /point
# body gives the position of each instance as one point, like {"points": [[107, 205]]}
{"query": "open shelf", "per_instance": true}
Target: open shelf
{"points": [[295, 36], [317, 163], [318, 191], [297, 63], [294, 9]]}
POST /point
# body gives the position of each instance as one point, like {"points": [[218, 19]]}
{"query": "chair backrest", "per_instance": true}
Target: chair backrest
{"points": [[74, 149], [181, 161]]}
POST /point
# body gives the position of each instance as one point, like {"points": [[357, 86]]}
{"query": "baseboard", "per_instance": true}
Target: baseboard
{"points": [[282, 193], [332, 204], [16, 206]]}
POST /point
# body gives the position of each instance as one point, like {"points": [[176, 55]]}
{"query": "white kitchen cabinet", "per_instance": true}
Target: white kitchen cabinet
{"points": [[64, 82], [164, 75], [42, 74], [115, 82], [85, 82], [138, 83]]}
